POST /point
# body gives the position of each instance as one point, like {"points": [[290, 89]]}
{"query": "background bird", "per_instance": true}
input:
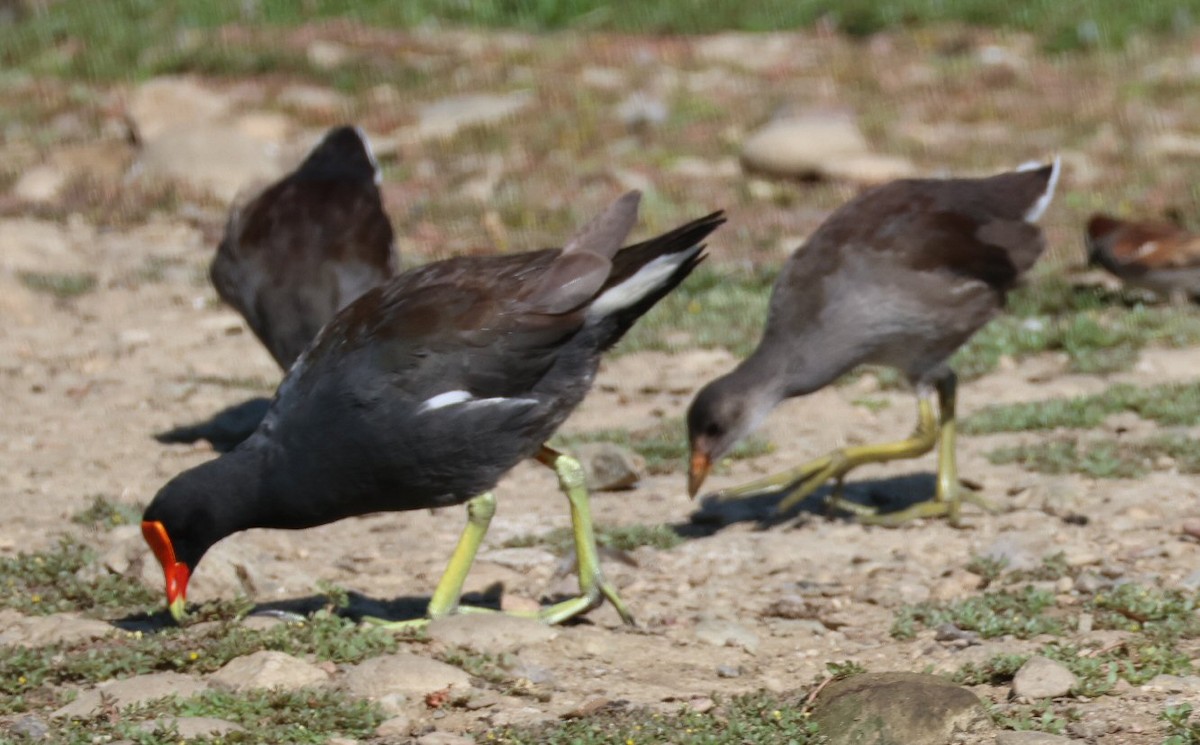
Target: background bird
{"points": [[293, 256], [900, 276], [1157, 256], [425, 391]]}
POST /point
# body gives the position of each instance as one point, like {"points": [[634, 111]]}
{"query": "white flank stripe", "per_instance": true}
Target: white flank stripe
{"points": [[449, 398], [1043, 201], [641, 284], [454, 398]]}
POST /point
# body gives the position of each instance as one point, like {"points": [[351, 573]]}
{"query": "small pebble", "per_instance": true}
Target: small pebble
{"points": [[729, 671]]}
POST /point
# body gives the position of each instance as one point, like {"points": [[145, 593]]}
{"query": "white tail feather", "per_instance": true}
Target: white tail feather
{"points": [[641, 284], [1039, 207]]}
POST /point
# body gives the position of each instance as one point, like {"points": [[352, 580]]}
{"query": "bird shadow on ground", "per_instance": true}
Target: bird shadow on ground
{"points": [[224, 430], [888, 495], [356, 608]]}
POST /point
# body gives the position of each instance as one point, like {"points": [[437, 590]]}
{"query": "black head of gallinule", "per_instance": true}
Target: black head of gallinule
{"points": [[900, 276], [425, 391]]}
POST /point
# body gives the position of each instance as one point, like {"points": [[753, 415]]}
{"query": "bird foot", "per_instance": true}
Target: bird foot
{"points": [[590, 598], [940, 506]]}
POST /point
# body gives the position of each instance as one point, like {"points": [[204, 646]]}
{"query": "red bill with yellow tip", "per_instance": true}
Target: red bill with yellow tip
{"points": [[176, 573]]}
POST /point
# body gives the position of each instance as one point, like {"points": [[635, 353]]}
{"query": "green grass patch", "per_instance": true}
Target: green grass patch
{"points": [[714, 308], [29, 673], [52, 582], [561, 541], [62, 285], [106, 515], [1173, 404], [1022, 613], [1103, 458], [664, 445], [754, 719], [119, 39], [304, 716], [1181, 730]]}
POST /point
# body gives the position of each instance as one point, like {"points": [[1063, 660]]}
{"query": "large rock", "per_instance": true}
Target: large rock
{"points": [[490, 633], [444, 118], [35, 631], [130, 691], [819, 145], [897, 709], [166, 103], [1041, 677], [608, 466], [405, 674], [217, 158], [267, 669]]}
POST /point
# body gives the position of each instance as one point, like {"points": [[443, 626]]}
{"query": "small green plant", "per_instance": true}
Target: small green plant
{"points": [[33, 671], [1039, 717], [304, 716], [561, 541], [989, 568], [53, 582], [844, 669], [1103, 458], [1170, 404], [1181, 730], [996, 670], [62, 285], [754, 719], [106, 515], [1022, 613]]}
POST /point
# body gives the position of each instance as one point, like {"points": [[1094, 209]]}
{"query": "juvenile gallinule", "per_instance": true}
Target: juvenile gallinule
{"points": [[425, 391], [292, 257], [1157, 256], [900, 276]]}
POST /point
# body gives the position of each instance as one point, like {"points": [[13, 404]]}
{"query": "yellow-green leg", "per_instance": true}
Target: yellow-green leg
{"points": [[593, 587], [950, 494], [802, 481], [449, 589]]}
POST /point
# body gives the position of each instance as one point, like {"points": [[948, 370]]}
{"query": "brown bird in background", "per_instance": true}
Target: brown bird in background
{"points": [[293, 256], [307, 246], [1158, 256], [901, 276]]}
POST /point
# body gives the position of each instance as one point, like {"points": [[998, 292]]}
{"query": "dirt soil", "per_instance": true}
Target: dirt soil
{"points": [[88, 379]]}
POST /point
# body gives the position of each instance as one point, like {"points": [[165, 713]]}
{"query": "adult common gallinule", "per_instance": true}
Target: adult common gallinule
{"points": [[425, 391], [901, 276], [292, 257], [1158, 256]]}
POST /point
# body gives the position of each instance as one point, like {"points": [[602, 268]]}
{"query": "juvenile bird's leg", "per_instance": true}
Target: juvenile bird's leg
{"points": [[950, 492], [449, 589], [593, 587], [799, 482]]}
